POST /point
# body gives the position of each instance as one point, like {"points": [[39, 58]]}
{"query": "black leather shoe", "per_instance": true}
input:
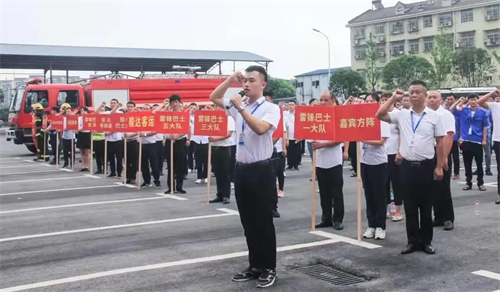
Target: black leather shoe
{"points": [[216, 200], [498, 200], [338, 226], [409, 248], [428, 249], [181, 191], [323, 224], [246, 275], [276, 214], [225, 201], [448, 225]]}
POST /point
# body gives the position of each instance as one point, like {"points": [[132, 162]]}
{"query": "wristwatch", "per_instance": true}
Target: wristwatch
{"points": [[241, 108]]}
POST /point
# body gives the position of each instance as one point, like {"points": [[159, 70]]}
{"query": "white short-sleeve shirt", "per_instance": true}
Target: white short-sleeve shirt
{"points": [[291, 125], [495, 114], [374, 154], [417, 146], [329, 157], [254, 147], [113, 137], [279, 144], [392, 144], [228, 141]]}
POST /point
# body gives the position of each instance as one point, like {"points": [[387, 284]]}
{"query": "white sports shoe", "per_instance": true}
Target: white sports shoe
{"points": [[369, 233], [205, 180], [380, 233], [198, 181]]}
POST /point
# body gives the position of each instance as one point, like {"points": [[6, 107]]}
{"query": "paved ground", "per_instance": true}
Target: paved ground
{"points": [[64, 231]]}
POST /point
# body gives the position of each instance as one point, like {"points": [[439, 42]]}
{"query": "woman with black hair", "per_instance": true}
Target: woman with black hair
{"points": [[83, 143]]}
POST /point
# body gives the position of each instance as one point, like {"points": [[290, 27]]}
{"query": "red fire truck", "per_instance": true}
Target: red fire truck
{"points": [[140, 91]]}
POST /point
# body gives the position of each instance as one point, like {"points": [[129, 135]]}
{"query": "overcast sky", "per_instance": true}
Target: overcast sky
{"points": [[279, 30]]}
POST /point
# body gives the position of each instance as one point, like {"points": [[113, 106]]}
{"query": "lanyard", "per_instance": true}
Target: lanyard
{"points": [[243, 122], [413, 127]]}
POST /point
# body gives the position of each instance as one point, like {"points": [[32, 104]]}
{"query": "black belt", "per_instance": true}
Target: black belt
{"points": [[417, 163], [265, 162], [220, 147]]}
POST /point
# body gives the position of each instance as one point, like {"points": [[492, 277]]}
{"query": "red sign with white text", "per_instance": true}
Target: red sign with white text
{"points": [[89, 123], [172, 122], [57, 123], [280, 133], [141, 122], [119, 123], [72, 123], [210, 123], [314, 123], [356, 122]]}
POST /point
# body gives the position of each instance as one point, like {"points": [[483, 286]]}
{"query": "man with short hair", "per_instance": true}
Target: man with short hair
{"points": [[454, 157], [405, 101]]}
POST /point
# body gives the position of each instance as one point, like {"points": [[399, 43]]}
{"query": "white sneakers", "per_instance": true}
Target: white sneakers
{"points": [[205, 180], [198, 181], [378, 233]]}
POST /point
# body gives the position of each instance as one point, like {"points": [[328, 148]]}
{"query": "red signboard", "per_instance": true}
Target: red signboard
{"points": [[58, 123], [314, 123], [119, 123], [210, 123], [356, 122], [141, 122], [172, 122], [104, 123], [90, 123], [72, 123], [45, 122], [280, 133]]}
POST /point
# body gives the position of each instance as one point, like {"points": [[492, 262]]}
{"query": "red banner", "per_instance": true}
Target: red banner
{"points": [[210, 123], [280, 133], [141, 122], [172, 122], [90, 123], [356, 122], [119, 123], [58, 123], [72, 123], [314, 123], [45, 122], [104, 123]]}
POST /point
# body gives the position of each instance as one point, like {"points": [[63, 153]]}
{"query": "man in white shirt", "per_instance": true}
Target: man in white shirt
{"points": [[494, 107], [419, 127], [221, 159], [200, 156], [255, 181], [293, 144], [443, 203], [329, 171]]}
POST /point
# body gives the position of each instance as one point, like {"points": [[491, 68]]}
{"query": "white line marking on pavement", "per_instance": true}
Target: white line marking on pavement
{"points": [[30, 161], [157, 266], [80, 205], [64, 169], [91, 176], [20, 166], [487, 274], [346, 239], [7, 158], [126, 185], [230, 211], [172, 197], [115, 227], [492, 184], [28, 172], [41, 179], [58, 190]]}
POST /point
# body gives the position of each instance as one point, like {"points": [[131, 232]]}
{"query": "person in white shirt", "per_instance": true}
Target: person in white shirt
{"points": [[114, 143], [374, 169], [255, 180], [159, 146], [221, 159], [293, 144], [494, 107], [419, 127], [393, 160], [443, 203], [329, 171]]}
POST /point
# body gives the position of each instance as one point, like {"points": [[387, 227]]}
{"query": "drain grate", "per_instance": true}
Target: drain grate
{"points": [[330, 275]]}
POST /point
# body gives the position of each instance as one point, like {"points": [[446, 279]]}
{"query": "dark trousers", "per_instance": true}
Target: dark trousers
{"points": [[417, 180], [353, 155], [115, 157], [53, 143], [221, 159], [149, 160], [99, 154], [331, 183], [496, 148], [233, 162], [66, 143], [255, 191], [279, 168], [394, 179], [41, 139], [180, 162], [201, 160], [159, 156], [293, 154], [132, 159], [454, 158], [472, 151], [302, 150], [374, 179], [443, 203], [190, 154]]}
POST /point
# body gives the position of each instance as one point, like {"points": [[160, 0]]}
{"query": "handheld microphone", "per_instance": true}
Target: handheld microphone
{"points": [[231, 104]]}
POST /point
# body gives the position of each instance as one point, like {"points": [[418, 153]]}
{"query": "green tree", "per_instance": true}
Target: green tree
{"points": [[281, 87], [442, 57], [347, 82], [373, 74], [400, 72], [472, 67]]}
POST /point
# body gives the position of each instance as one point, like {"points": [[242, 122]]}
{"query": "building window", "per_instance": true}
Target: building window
{"points": [[467, 15], [493, 38], [467, 39], [300, 84], [381, 50], [397, 27], [414, 46], [413, 25], [379, 29], [493, 12], [397, 48], [315, 83], [359, 33], [445, 19], [427, 21], [360, 53], [428, 44]]}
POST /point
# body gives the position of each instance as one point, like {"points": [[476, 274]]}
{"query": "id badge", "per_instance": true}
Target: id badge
{"points": [[241, 140], [470, 130]]}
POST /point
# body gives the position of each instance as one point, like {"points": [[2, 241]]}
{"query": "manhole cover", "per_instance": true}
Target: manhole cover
{"points": [[330, 275]]}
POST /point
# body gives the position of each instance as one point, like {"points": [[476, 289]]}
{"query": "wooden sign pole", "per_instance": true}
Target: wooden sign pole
{"points": [[44, 146], [172, 166], [139, 168], [125, 160], [91, 153], [105, 156], [209, 170], [360, 184], [57, 148], [313, 192], [73, 152]]}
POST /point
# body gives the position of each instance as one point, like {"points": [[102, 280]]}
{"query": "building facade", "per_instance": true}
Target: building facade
{"points": [[312, 84], [411, 28]]}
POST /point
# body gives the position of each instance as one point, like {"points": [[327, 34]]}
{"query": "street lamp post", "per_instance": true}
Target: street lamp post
{"points": [[328, 40]]}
